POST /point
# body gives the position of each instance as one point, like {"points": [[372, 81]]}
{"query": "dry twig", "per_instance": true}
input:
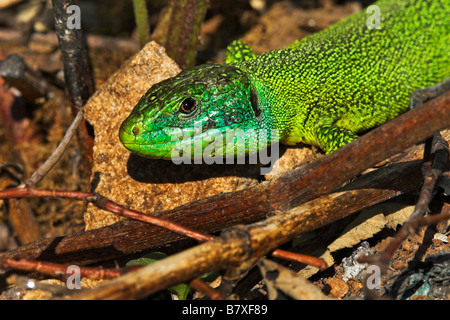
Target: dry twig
{"points": [[79, 85], [60, 271]]}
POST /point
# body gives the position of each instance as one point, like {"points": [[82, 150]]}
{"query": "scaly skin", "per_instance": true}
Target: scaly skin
{"points": [[321, 90]]}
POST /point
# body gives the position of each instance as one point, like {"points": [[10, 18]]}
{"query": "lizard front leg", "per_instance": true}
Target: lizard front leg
{"points": [[330, 137]]}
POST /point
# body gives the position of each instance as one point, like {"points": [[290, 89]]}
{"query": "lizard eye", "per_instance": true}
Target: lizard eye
{"points": [[188, 106]]}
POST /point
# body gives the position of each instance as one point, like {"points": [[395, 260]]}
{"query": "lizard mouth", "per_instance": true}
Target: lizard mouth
{"points": [[193, 142], [148, 144], [168, 143]]}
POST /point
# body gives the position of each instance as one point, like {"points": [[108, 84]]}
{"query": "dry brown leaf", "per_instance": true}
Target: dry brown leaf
{"points": [[371, 221], [365, 226], [399, 215], [368, 223], [287, 281]]}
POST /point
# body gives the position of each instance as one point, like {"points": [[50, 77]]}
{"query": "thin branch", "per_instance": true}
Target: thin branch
{"points": [[439, 153], [199, 285], [79, 85], [109, 205], [312, 261], [106, 204], [410, 227], [60, 271], [58, 152], [77, 72], [103, 203]]}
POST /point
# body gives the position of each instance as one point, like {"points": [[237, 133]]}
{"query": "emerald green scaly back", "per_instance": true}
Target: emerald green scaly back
{"points": [[351, 77], [320, 90]]}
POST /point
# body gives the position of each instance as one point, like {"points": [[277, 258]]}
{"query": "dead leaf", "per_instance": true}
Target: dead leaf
{"points": [[277, 277], [399, 215], [368, 223]]}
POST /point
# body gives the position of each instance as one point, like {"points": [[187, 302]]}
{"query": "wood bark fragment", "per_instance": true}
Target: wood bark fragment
{"points": [[78, 78]]}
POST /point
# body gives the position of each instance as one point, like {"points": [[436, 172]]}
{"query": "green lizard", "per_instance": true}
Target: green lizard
{"points": [[321, 90]]}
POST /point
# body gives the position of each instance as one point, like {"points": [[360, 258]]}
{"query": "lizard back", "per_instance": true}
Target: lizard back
{"points": [[353, 76]]}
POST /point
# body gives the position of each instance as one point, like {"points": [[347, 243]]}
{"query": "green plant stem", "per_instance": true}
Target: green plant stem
{"points": [[141, 15]]}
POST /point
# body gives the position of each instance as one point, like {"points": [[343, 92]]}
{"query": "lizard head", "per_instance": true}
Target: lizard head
{"points": [[193, 111]]}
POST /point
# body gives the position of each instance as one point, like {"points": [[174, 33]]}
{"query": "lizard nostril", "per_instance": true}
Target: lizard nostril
{"points": [[135, 130]]}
